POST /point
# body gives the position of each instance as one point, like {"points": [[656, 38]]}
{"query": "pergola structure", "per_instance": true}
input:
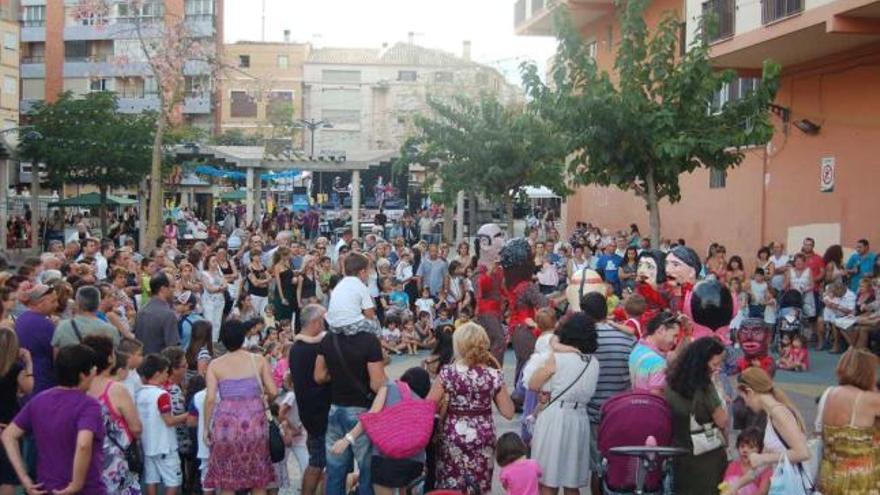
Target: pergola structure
{"points": [[256, 159]]}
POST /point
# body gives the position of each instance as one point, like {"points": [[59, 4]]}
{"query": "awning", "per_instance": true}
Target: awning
{"points": [[540, 193], [92, 200]]}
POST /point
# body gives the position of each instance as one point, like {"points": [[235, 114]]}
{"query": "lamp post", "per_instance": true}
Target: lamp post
{"points": [[312, 125]]}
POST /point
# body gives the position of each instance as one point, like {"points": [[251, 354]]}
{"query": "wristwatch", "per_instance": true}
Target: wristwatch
{"points": [[349, 438]]}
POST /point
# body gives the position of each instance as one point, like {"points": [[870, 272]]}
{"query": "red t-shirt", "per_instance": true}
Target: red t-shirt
{"points": [[815, 263]]}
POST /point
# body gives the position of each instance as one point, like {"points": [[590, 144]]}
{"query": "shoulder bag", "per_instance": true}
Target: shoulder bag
{"points": [[789, 478], [276, 439], [76, 330], [404, 429], [134, 456], [530, 420], [704, 437]]}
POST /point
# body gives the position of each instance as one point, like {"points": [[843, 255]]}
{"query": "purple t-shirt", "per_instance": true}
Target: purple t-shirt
{"points": [[55, 417], [35, 332]]}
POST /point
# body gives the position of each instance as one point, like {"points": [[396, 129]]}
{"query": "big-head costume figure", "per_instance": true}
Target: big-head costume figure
{"points": [[682, 267], [754, 340], [581, 283], [523, 298], [490, 286], [650, 284]]}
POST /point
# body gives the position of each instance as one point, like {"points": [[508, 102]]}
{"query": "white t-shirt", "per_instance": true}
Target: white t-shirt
{"points": [[348, 301], [425, 304], [759, 292], [777, 281], [336, 248], [203, 451], [133, 382], [403, 271]]}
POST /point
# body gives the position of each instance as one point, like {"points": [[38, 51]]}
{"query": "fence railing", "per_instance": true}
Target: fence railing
{"points": [[774, 10], [719, 19]]}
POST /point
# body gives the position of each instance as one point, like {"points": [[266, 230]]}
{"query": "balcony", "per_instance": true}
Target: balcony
{"points": [[33, 34], [32, 70], [775, 10], [197, 104], [137, 105], [794, 33], [536, 17]]}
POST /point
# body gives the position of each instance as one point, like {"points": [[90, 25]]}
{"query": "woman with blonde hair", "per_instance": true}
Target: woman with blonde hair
{"points": [[470, 385], [785, 434], [849, 428], [283, 297], [16, 378]]}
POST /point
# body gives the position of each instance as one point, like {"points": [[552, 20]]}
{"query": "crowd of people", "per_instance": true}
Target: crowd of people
{"points": [[127, 371]]}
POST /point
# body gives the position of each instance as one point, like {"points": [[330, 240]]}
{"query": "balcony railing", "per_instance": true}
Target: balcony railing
{"points": [[774, 10], [519, 13], [33, 23], [93, 59], [200, 17], [719, 17]]}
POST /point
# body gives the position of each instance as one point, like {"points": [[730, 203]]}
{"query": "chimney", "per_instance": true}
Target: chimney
{"points": [[412, 37], [287, 35], [466, 50]]}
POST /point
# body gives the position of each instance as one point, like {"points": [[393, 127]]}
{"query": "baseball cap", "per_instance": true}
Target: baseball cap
{"points": [[37, 292]]}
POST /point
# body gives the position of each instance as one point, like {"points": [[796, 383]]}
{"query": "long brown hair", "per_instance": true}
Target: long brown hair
{"points": [[200, 337], [8, 350], [760, 382]]}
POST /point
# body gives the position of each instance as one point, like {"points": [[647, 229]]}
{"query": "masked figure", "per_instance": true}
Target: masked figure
{"points": [[580, 284], [490, 287], [682, 267], [710, 307], [651, 283], [754, 340], [523, 299]]}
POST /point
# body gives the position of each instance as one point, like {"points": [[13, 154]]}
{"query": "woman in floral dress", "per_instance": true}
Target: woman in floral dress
{"points": [[470, 385], [121, 421]]}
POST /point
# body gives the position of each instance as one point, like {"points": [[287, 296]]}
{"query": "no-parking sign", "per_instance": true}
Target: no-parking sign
{"points": [[826, 174]]}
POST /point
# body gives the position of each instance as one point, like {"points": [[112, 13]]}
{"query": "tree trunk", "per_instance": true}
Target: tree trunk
{"points": [[472, 213], [157, 200], [448, 223], [653, 208], [102, 210], [508, 209], [35, 207]]}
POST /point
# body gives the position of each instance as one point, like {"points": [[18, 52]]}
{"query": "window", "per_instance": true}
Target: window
{"points": [[443, 77], [150, 11], [33, 16], [717, 178], [243, 105], [341, 76], [719, 99], [100, 84], [150, 87], [774, 10], [10, 85], [281, 97], [718, 19], [244, 61], [593, 49], [199, 8], [341, 117], [76, 51], [283, 62], [407, 75], [197, 86], [10, 41]]}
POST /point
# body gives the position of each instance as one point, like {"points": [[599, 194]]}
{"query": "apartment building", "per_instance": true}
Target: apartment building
{"points": [[60, 52], [370, 96], [261, 76], [815, 178], [9, 73]]}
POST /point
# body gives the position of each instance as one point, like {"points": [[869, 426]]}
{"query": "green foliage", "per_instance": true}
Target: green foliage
{"points": [[86, 141], [237, 137], [643, 127], [280, 118], [485, 147]]}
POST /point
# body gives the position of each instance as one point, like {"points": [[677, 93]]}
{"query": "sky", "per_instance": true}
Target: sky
{"points": [[440, 24]]}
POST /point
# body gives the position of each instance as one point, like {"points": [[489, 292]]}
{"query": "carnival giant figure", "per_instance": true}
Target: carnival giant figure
{"points": [[523, 299], [490, 287]]}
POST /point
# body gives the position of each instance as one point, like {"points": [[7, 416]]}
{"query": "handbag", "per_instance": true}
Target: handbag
{"points": [[815, 445], [404, 429], [704, 437], [134, 456], [276, 439]]}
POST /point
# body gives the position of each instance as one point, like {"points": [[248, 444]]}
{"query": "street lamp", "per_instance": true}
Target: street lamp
{"points": [[312, 125]]}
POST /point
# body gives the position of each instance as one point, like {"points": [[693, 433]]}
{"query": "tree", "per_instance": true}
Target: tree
{"points": [[166, 47], [486, 147], [237, 137], [651, 121], [86, 141]]}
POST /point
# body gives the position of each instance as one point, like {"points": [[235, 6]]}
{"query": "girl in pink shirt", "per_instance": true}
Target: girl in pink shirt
{"points": [[519, 474], [741, 478]]}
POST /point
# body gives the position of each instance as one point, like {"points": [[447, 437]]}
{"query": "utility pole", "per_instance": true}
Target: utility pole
{"points": [[312, 125]]}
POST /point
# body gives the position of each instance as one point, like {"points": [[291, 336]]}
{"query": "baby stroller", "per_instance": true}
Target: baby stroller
{"points": [[630, 465], [790, 320]]}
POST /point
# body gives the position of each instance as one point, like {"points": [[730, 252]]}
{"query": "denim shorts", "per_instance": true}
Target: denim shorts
{"points": [[317, 451]]}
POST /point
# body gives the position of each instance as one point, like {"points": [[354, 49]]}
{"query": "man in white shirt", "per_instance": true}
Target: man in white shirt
{"points": [[101, 259], [345, 240], [780, 262]]}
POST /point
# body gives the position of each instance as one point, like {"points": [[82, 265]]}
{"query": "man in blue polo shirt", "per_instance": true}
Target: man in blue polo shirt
{"points": [[860, 264]]}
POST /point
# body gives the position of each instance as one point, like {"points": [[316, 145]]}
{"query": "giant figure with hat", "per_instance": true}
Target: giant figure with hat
{"points": [[490, 287]]}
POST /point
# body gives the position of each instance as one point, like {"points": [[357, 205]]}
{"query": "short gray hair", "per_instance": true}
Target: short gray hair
{"points": [[88, 298], [310, 313]]}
